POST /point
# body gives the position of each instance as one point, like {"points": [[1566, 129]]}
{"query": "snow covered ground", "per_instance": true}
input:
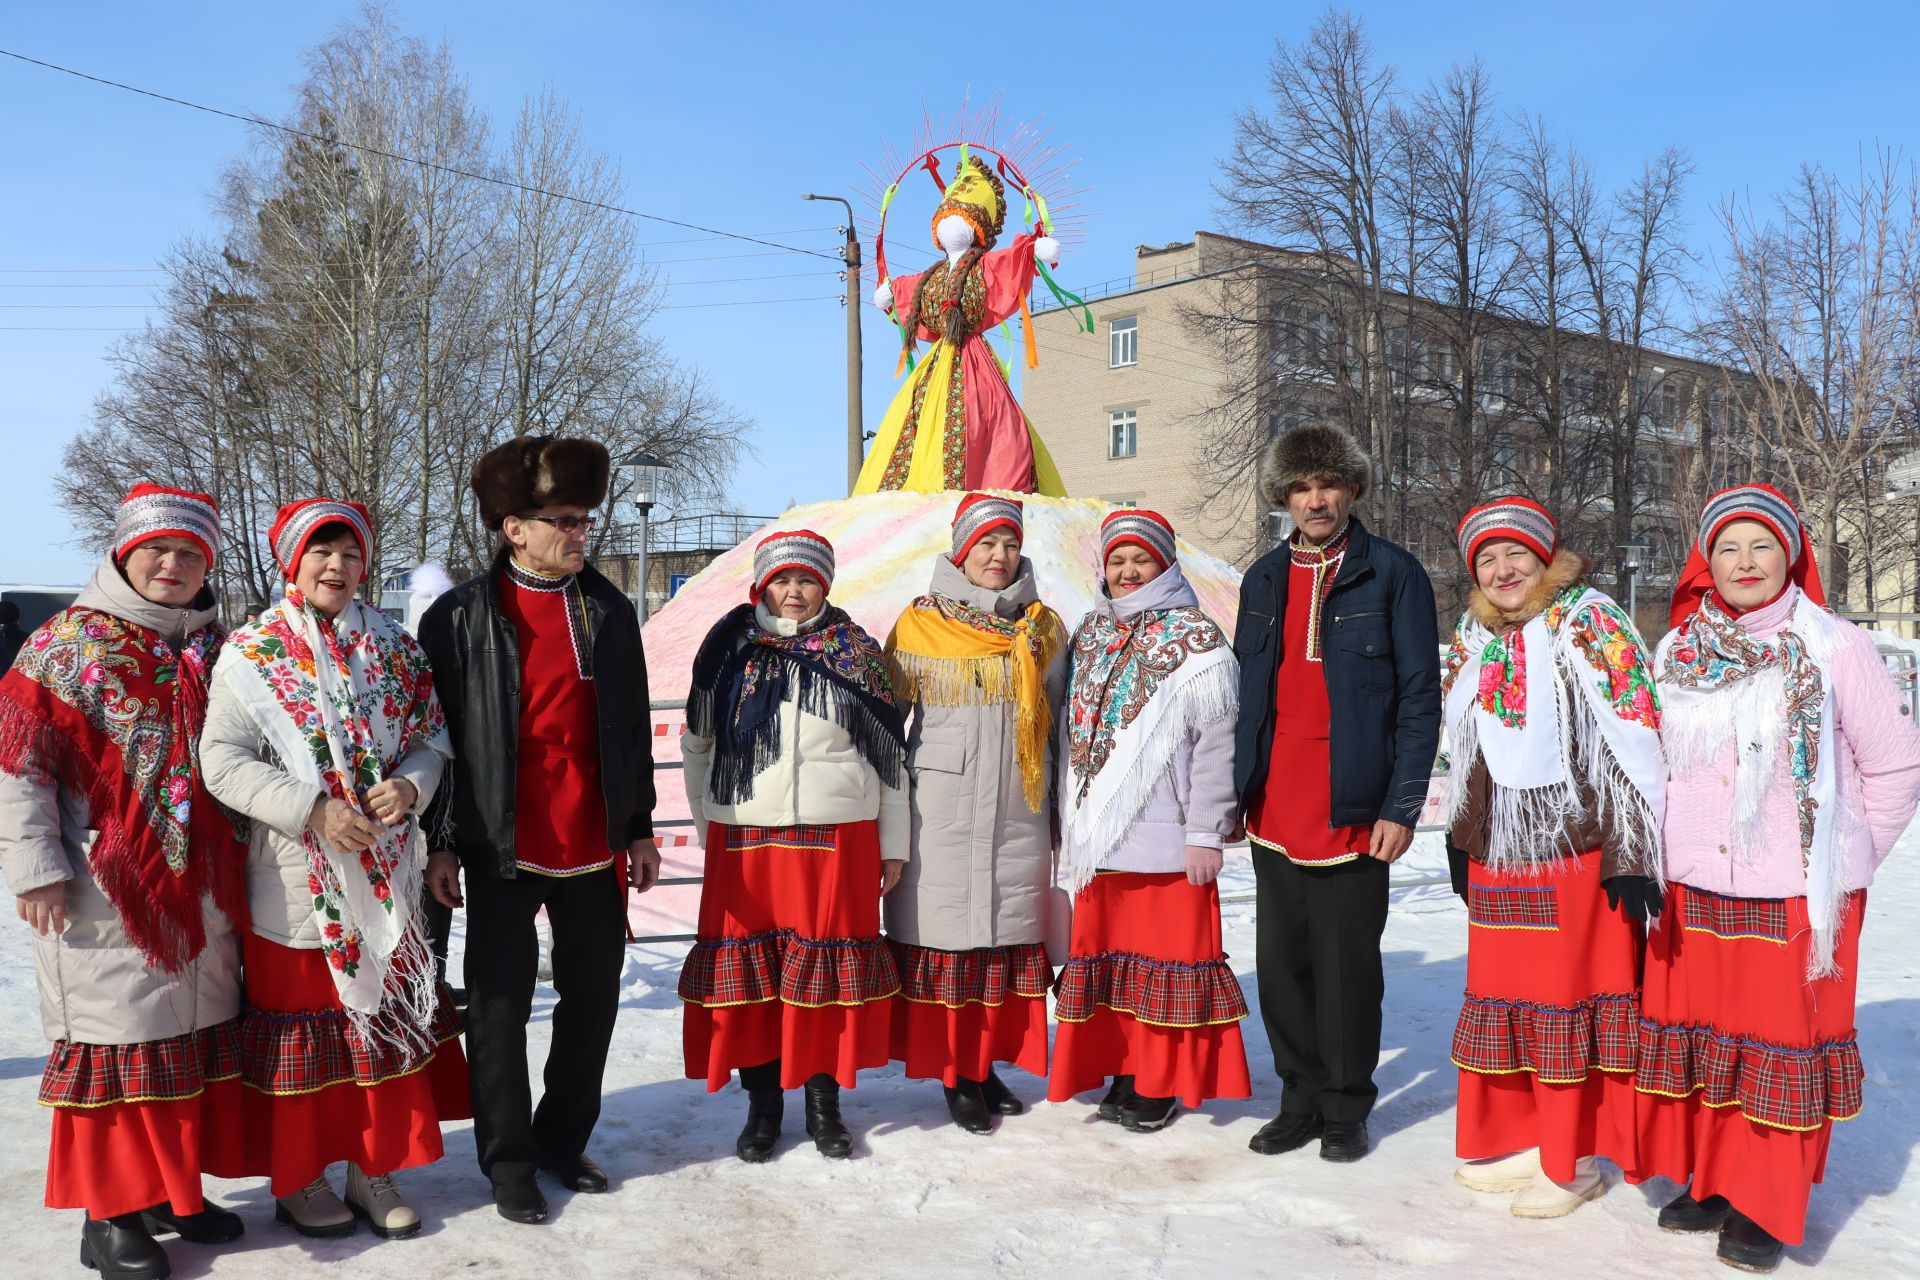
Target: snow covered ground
{"points": [[1053, 1192]]}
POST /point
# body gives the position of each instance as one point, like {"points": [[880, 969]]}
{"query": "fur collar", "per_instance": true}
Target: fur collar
{"points": [[1567, 568]]}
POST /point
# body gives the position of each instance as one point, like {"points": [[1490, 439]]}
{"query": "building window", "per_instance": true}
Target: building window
{"points": [[1123, 434], [1123, 342]]}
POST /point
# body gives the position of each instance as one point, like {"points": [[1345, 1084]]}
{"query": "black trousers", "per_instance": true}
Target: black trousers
{"points": [[589, 948], [1317, 955]]}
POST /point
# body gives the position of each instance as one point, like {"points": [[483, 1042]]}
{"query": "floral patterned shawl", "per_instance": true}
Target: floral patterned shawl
{"points": [[111, 709], [1589, 714], [1724, 684], [341, 703], [1148, 670]]}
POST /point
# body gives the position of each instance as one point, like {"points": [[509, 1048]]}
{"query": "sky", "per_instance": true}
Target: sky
{"points": [[723, 114]]}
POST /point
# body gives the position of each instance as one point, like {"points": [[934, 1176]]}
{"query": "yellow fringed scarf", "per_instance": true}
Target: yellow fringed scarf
{"points": [[944, 653]]}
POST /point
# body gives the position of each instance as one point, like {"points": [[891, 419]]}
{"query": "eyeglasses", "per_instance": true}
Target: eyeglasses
{"points": [[567, 525]]}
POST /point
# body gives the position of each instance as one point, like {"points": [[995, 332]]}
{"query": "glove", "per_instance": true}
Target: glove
{"points": [[1637, 898], [1203, 864], [1457, 868]]}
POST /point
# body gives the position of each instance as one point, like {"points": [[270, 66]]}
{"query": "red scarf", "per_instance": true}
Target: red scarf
{"points": [[109, 709]]}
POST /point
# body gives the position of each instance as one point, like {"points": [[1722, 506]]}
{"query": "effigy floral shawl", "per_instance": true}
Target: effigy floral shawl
{"points": [[1722, 685], [109, 709], [1140, 687], [948, 653], [1590, 713], [743, 673], [341, 703]]}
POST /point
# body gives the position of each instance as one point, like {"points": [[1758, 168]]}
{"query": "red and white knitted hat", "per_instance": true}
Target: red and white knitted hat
{"points": [[155, 511], [980, 514], [791, 549], [1770, 507], [1520, 519], [1148, 530], [297, 522]]}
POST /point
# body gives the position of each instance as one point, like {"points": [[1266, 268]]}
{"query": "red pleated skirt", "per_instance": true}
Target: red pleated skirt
{"points": [[1147, 992], [1546, 1035], [789, 963], [316, 1094], [1744, 1063], [960, 1012], [136, 1125]]}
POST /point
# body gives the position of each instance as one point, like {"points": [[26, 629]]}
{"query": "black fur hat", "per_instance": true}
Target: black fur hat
{"points": [[1313, 451], [530, 472]]}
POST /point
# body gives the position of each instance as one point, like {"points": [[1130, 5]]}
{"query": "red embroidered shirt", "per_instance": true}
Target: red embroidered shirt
{"points": [[560, 819], [1292, 814]]}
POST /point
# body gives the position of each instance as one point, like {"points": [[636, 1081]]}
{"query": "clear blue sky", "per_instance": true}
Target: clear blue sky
{"points": [[724, 113]]}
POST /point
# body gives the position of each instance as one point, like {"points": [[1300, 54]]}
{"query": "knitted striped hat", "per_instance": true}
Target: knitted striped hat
{"points": [[791, 549], [297, 522], [1521, 519], [1147, 530], [1751, 502], [980, 514], [155, 511]]}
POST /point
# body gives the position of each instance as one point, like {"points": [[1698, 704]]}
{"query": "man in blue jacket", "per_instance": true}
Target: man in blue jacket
{"points": [[1339, 725]]}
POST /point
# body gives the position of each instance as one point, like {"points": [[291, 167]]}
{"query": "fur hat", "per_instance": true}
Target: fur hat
{"points": [[530, 472], [1313, 451]]}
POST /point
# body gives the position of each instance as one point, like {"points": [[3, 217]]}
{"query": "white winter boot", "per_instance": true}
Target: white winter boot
{"points": [[379, 1201], [1545, 1198], [1500, 1173]]}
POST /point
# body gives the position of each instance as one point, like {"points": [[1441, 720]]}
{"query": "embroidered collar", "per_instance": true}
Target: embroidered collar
{"points": [[573, 599], [1327, 552], [1325, 561], [533, 580]]}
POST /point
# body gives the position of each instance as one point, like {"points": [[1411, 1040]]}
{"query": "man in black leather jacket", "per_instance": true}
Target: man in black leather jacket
{"points": [[548, 803]]}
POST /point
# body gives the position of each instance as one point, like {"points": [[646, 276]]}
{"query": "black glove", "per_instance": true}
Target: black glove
{"points": [[1637, 898], [1457, 867]]}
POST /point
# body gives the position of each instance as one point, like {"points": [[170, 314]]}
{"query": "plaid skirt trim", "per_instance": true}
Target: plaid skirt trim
{"points": [[982, 975], [1798, 1089], [797, 839], [1513, 906], [90, 1076], [1558, 1044], [1735, 919], [809, 973], [1159, 993], [292, 1054]]}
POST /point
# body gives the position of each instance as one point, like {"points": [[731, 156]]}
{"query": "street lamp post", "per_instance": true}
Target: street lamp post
{"points": [[643, 472], [1630, 566], [856, 424]]}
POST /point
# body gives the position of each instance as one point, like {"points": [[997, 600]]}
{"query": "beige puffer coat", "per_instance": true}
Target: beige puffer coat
{"points": [[243, 775], [819, 779], [95, 986], [981, 861]]}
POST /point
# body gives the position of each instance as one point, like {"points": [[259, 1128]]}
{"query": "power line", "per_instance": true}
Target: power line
{"points": [[425, 164]]}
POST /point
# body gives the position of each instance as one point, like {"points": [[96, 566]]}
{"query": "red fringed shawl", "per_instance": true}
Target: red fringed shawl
{"points": [[109, 709]]}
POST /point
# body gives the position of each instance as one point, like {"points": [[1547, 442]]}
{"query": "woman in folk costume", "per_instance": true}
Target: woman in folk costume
{"points": [[134, 882], [796, 777], [1558, 792], [1793, 773], [981, 664], [324, 730], [954, 423], [1147, 802]]}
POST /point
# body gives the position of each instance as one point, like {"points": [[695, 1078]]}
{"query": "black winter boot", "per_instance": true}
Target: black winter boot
{"points": [[824, 1125], [122, 1249], [1747, 1245], [212, 1225], [998, 1097], [1117, 1099], [1687, 1214], [967, 1107], [1146, 1115], [766, 1106]]}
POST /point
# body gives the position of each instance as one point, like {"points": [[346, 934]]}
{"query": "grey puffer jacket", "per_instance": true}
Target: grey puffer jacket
{"points": [[1193, 802], [981, 861], [95, 986]]}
